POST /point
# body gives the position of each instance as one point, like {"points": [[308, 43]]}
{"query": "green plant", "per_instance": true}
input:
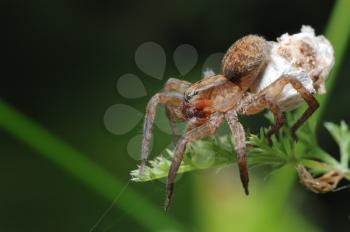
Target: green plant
{"points": [[217, 151]]}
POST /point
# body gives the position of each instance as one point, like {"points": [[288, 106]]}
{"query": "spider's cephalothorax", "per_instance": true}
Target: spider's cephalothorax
{"points": [[208, 102]]}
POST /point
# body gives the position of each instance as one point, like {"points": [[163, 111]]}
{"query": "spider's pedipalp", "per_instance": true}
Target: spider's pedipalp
{"points": [[239, 139], [198, 132], [179, 86]]}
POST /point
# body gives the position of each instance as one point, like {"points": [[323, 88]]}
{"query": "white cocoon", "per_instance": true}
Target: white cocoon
{"points": [[304, 56]]}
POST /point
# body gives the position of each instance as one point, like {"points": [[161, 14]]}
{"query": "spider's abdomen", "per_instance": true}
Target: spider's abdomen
{"points": [[245, 60]]}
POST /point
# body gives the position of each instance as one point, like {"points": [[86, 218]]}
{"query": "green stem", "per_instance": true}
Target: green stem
{"points": [[338, 32], [78, 165]]}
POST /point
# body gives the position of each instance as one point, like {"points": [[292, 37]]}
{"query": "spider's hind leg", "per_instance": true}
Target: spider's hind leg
{"points": [[275, 89], [278, 121], [171, 115], [256, 103]]}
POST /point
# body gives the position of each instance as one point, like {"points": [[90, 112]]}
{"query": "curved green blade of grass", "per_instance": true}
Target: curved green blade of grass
{"points": [[338, 33], [78, 165]]}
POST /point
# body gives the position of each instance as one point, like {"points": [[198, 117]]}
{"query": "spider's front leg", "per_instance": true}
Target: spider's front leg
{"points": [[196, 133], [168, 98], [172, 97], [238, 137]]}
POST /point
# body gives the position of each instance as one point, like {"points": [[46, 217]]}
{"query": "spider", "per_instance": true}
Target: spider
{"points": [[205, 104]]}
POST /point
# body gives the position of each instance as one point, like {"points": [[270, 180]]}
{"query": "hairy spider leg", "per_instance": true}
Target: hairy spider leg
{"points": [[168, 98], [310, 100], [256, 103], [239, 139], [171, 115], [196, 133], [266, 98], [278, 120]]}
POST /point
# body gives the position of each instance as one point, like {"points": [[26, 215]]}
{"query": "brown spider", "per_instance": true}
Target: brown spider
{"points": [[205, 104]]}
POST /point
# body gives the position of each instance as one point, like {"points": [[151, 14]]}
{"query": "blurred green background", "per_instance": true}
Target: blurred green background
{"points": [[61, 63]]}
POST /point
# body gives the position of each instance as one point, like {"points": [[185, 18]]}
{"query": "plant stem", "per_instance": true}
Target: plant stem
{"points": [[338, 32]]}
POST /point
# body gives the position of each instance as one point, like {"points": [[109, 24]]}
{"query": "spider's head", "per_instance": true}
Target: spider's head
{"points": [[192, 105], [209, 95], [245, 60]]}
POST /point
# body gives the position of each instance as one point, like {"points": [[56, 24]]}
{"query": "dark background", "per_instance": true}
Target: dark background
{"points": [[60, 63]]}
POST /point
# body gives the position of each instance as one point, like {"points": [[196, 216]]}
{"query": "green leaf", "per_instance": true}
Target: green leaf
{"points": [[203, 154], [218, 151], [341, 135]]}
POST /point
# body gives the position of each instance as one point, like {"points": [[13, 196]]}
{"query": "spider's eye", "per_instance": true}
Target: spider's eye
{"points": [[190, 95]]}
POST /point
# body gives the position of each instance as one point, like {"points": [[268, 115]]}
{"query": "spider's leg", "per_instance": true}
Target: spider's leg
{"points": [[278, 121], [256, 103], [168, 98], [196, 133], [169, 110], [238, 137], [179, 86], [310, 100], [276, 88]]}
